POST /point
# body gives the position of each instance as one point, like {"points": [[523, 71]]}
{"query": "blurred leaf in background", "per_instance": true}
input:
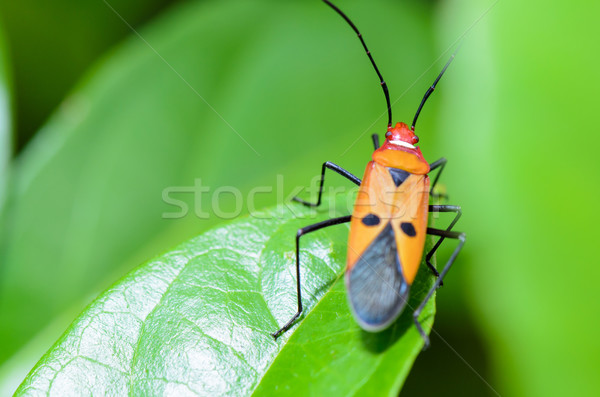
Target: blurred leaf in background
{"points": [[5, 121], [53, 43], [522, 139], [528, 175]]}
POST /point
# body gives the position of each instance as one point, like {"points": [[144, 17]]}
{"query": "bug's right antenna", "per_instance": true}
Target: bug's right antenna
{"points": [[383, 84], [432, 88]]}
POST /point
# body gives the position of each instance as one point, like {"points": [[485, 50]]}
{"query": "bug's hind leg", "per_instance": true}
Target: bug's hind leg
{"points": [[441, 208], [335, 168], [444, 234], [300, 233]]}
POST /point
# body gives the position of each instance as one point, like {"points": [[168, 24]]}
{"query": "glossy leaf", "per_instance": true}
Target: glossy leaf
{"points": [[197, 320]]}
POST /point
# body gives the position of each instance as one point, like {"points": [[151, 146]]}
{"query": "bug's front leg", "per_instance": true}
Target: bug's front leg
{"points": [[375, 139], [300, 233], [441, 163], [333, 167]]}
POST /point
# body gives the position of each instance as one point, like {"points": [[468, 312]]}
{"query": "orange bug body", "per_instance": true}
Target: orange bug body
{"points": [[388, 226], [388, 205]]}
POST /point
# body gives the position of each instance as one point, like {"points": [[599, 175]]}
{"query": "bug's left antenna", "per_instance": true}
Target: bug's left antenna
{"points": [[431, 89], [383, 84]]}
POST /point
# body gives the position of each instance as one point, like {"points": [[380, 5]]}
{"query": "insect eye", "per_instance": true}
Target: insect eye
{"points": [[388, 134], [416, 139]]}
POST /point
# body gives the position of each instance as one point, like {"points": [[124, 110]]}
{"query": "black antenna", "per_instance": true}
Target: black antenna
{"points": [[431, 89], [383, 84]]}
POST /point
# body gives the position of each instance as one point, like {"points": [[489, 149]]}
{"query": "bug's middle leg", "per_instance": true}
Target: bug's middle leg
{"points": [[300, 233], [441, 208], [333, 167]]}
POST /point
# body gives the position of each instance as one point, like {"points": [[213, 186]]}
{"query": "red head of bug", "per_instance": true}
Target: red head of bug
{"points": [[399, 151]]}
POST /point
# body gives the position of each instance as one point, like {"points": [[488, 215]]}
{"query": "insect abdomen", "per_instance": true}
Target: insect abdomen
{"points": [[377, 290]]}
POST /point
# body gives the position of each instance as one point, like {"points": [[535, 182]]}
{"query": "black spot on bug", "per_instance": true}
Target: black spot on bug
{"points": [[371, 220], [408, 228], [398, 175]]}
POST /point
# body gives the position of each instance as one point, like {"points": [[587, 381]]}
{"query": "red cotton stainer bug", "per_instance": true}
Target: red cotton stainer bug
{"points": [[389, 223]]}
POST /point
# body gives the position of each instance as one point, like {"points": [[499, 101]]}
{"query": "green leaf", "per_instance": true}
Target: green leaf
{"points": [[198, 320], [49, 59], [5, 121], [87, 192], [526, 99]]}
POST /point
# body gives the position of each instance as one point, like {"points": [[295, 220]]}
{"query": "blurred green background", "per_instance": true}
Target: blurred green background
{"points": [[97, 119]]}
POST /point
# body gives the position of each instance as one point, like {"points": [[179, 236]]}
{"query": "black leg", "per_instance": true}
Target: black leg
{"points": [[441, 233], [335, 168], [441, 208], [301, 232], [375, 141], [441, 163]]}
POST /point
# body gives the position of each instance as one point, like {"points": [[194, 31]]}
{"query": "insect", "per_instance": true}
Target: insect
{"points": [[388, 226]]}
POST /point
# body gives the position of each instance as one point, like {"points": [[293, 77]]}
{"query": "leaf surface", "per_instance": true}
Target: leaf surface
{"points": [[197, 321]]}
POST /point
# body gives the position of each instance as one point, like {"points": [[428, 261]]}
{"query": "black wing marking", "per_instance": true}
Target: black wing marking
{"points": [[376, 287]]}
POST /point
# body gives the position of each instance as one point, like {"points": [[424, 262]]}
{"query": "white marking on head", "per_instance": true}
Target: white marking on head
{"points": [[402, 143]]}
